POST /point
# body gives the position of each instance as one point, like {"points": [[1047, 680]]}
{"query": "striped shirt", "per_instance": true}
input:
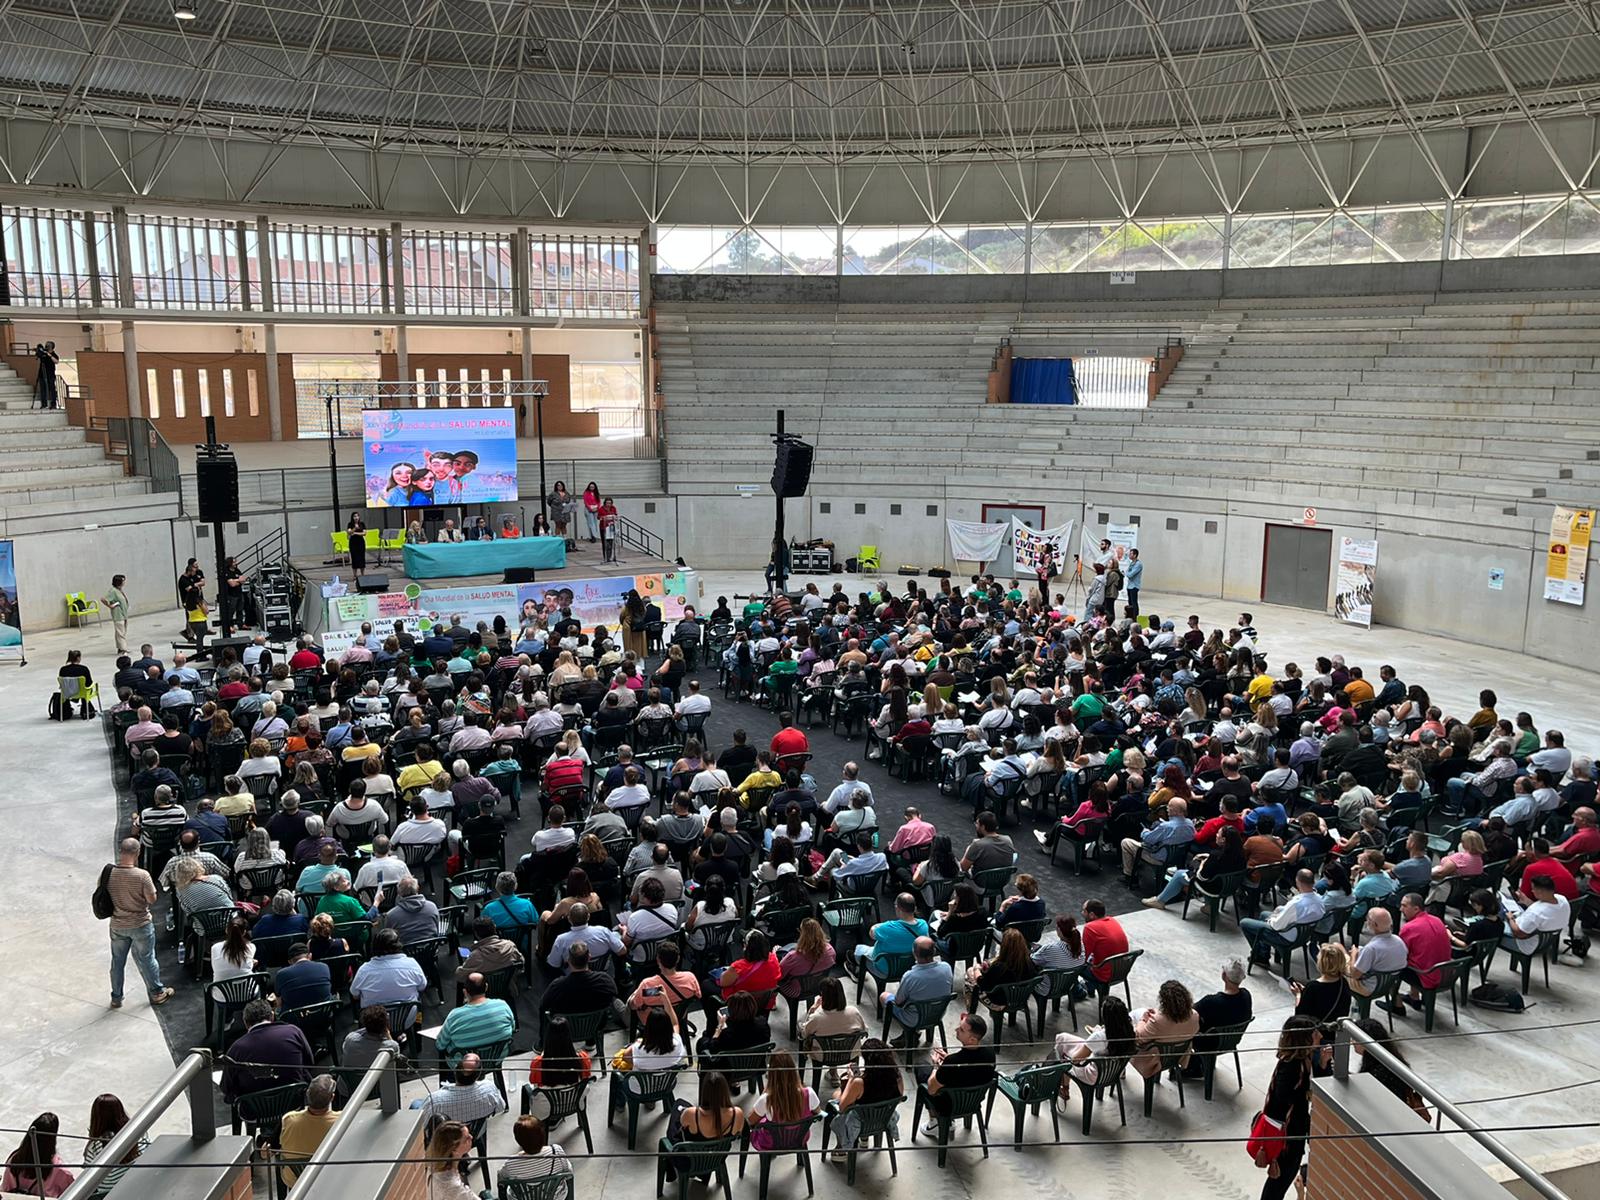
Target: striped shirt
{"points": [[474, 1026], [552, 1160], [132, 893]]}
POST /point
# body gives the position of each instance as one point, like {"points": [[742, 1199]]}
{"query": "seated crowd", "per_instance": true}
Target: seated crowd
{"points": [[336, 832]]}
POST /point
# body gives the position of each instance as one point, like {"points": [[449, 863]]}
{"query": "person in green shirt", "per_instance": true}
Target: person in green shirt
{"points": [[339, 904], [785, 664], [1087, 709], [476, 1024], [1527, 736], [115, 602]]}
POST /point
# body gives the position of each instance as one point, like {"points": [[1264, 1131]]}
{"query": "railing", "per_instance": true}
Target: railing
{"points": [[630, 533], [382, 1076], [193, 1076], [144, 451], [1351, 1033]]}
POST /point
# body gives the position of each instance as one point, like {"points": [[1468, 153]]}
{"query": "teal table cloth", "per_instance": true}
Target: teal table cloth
{"points": [[452, 560]]}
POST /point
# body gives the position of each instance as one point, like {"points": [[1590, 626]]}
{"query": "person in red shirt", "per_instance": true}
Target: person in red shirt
{"points": [[234, 689], [1585, 839], [562, 771], [755, 970], [1207, 833], [1545, 863], [1427, 945], [789, 740], [305, 658], [1103, 938]]}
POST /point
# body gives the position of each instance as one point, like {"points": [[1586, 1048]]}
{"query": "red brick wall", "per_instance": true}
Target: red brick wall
{"points": [[101, 374], [1349, 1168], [411, 1181]]}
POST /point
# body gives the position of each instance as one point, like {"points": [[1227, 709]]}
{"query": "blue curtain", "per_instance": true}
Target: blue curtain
{"points": [[1042, 381]]}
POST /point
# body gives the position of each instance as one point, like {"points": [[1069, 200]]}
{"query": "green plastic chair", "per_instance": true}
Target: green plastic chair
{"points": [[80, 608], [877, 1123], [916, 1018], [1031, 1087], [341, 543], [694, 1158], [551, 1187], [966, 1104], [653, 1087], [1006, 1000], [787, 1137]]}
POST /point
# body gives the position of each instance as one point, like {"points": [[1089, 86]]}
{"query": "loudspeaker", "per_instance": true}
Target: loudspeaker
{"points": [[939, 572], [519, 575], [791, 472], [372, 583], [217, 481], [851, 565]]}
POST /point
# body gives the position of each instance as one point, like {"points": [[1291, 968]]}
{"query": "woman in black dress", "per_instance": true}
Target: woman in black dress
{"points": [[1289, 1104], [357, 529]]}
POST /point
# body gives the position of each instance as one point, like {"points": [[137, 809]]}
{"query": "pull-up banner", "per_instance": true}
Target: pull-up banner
{"points": [[1358, 572], [975, 541], [10, 614], [1566, 562]]}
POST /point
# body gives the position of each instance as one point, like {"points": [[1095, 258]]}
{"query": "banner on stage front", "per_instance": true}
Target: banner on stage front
{"points": [[1027, 545], [592, 601], [1358, 569], [975, 541], [10, 614], [1566, 563]]}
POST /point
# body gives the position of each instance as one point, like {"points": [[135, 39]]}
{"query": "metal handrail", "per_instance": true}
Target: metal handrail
{"points": [[384, 1074], [193, 1076], [1350, 1032]]}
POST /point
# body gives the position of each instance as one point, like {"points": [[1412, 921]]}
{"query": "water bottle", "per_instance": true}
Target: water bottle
{"points": [[183, 953]]}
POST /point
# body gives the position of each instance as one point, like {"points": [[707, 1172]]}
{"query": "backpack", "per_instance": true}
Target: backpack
{"points": [[1578, 944], [104, 907], [1500, 999]]}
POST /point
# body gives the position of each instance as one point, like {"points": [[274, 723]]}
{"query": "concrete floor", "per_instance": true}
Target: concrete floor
{"points": [[66, 1046]]}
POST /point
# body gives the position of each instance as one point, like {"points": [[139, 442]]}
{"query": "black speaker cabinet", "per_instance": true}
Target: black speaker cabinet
{"points": [[791, 472], [217, 482], [372, 583]]}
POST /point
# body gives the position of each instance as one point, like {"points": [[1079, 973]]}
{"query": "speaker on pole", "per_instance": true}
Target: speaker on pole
{"points": [[791, 472], [217, 482]]}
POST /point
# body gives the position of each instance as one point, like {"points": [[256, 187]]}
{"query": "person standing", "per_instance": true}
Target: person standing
{"points": [[1046, 572], [1113, 589], [1287, 1110], [232, 588], [608, 530], [45, 388], [116, 602], [133, 928], [1133, 579], [357, 529], [591, 509], [559, 503]]}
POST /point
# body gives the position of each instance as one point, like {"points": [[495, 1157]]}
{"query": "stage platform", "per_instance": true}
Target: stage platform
{"points": [[584, 562], [589, 586]]}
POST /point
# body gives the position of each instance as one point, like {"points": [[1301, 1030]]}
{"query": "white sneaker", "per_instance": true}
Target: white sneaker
{"points": [[1154, 902], [930, 1129]]}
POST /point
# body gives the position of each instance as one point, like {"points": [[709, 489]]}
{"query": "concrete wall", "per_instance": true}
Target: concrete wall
{"points": [[80, 559]]}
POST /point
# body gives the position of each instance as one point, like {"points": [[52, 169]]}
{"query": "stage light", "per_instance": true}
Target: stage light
{"points": [[183, 11]]}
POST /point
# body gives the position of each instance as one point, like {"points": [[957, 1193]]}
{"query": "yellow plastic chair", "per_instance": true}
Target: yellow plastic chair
{"points": [[75, 690], [341, 544], [80, 607], [867, 559], [373, 542]]}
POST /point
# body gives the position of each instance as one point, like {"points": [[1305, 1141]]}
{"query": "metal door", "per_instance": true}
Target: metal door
{"points": [[1031, 515], [1296, 562]]}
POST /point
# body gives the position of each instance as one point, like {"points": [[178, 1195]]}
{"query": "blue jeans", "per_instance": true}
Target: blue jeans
{"points": [[1175, 886], [1262, 937], [142, 942], [1466, 798]]}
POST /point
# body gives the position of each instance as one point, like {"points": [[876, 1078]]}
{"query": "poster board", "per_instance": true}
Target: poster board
{"points": [[10, 612], [1358, 572], [1123, 538], [593, 602], [1566, 560]]}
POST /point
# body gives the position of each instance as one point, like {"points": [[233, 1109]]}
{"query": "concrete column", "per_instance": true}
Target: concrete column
{"points": [[1227, 239], [527, 352], [402, 360], [269, 331], [130, 369], [264, 265], [119, 237], [647, 266], [1449, 229]]}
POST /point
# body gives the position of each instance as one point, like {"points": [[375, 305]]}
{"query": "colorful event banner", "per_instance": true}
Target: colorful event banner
{"points": [[976, 541], [593, 602], [1358, 569], [10, 614], [1027, 545], [1566, 564]]}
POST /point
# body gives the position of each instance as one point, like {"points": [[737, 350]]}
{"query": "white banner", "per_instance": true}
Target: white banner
{"points": [[1027, 545], [975, 541], [1123, 538], [1358, 570]]}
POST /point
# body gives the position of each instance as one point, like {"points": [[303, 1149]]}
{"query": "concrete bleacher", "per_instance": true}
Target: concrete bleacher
{"points": [[1476, 403], [57, 468]]}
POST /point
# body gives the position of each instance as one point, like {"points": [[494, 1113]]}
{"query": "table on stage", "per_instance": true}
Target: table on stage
{"points": [[450, 560]]}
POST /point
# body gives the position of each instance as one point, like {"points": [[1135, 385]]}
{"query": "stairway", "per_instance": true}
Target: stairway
{"points": [[56, 478]]}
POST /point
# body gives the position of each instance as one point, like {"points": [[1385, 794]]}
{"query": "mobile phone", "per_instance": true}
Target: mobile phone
{"points": [[652, 991]]}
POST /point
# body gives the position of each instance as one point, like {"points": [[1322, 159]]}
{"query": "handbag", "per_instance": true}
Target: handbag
{"points": [[1266, 1139]]}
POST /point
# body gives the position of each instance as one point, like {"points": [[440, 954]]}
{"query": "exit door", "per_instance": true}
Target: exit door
{"points": [[1031, 515], [1295, 566]]}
